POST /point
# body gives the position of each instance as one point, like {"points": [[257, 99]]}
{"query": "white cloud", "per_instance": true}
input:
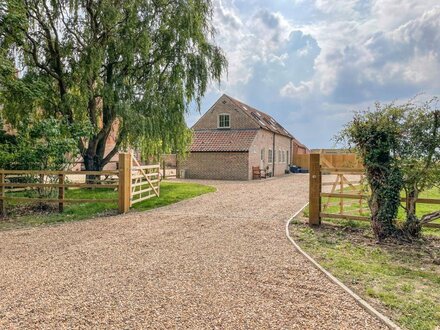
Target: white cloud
{"points": [[340, 7], [390, 14], [423, 69], [299, 91]]}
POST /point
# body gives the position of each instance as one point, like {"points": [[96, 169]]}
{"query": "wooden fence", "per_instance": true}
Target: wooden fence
{"points": [[129, 181], [347, 189], [349, 160], [169, 166]]}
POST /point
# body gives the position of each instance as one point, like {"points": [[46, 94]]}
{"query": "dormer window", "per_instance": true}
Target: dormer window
{"points": [[224, 121]]}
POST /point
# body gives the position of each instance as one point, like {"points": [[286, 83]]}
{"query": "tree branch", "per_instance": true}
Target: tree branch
{"points": [[430, 217]]}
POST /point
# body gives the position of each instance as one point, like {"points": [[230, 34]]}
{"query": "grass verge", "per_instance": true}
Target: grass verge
{"points": [[170, 192], [403, 281]]}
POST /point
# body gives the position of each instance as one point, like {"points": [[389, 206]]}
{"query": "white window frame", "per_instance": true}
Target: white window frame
{"points": [[263, 154], [280, 159], [229, 121], [270, 153]]}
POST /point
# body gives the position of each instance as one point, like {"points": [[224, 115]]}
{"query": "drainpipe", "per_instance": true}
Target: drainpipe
{"points": [[291, 152], [273, 156]]}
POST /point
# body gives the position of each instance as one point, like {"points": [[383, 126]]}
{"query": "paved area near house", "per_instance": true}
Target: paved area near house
{"points": [[218, 261]]}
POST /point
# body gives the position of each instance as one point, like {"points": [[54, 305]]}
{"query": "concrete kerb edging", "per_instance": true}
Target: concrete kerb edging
{"points": [[366, 306]]}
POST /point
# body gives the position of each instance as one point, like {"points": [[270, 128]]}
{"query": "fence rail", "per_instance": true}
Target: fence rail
{"points": [[355, 194], [50, 186]]}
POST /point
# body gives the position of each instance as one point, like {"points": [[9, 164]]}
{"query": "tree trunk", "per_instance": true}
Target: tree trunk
{"points": [[381, 224], [94, 156], [93, 162], [413, 225], [384, 201]]}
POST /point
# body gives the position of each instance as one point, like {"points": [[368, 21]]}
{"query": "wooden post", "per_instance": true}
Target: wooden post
{"points": [[315, 185], [163, 170], [361, 184], [158, 187], [177, 167], [341, 190], [61, 193], [2, 194], [124, 190]]}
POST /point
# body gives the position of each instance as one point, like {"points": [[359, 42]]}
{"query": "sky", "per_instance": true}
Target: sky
{"points": [[311, 63]]}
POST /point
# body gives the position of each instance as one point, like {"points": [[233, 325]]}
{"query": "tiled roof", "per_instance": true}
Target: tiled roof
{"points": [[264, 120], [222, 140]]}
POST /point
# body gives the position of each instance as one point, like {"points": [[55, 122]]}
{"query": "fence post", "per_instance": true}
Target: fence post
{"points": [[2, 194], [61, 193], [124, 190], [177, 167], [315, 184], [163, 169]]}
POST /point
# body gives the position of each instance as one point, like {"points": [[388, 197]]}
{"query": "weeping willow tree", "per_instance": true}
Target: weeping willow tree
{"points": [[127, 69]]}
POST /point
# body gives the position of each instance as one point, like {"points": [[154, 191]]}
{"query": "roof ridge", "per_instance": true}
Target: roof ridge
{"points": [[247, 105], [240, 104], [227, 130]]}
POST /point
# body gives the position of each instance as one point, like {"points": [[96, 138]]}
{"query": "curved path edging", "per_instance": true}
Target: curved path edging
{"points": [[361, 302]]}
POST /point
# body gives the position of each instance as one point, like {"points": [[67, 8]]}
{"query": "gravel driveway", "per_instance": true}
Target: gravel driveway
{"points": [[218, 261]]}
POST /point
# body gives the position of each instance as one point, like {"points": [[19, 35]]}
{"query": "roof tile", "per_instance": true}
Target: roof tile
{"points": [[264, 120], [222, 140]]}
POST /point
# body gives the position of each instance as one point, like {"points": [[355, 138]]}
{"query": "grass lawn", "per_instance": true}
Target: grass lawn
{"points": [[170, 192], [401, 280]]}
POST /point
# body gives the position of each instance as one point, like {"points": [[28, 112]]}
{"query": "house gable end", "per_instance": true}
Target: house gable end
{"points": [[224, 105]]}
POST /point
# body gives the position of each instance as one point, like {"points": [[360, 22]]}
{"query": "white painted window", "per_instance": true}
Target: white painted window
{"points": [[262, 154], [279, 156], [269, 156], [224, 120]]}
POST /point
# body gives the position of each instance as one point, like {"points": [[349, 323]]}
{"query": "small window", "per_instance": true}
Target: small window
{"points": [[262, 155], [269, 156], [280, 159], [223, 121]]}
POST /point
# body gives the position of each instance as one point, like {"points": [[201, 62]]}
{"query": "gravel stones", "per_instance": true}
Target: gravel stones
{"points": [[217, 261]]}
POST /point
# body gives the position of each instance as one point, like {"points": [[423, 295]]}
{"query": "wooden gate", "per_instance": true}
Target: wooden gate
{"points": [[355, 186], [145, 182]]}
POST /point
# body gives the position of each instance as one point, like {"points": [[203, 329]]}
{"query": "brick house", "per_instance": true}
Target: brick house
{"points": [[232, 137]]}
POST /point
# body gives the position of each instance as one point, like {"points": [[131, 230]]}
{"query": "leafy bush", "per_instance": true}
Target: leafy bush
{"points": [[399, 145], [47, 144]]}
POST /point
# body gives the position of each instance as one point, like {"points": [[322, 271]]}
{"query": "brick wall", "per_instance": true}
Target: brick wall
{"points": [[264, 140], [216, 165], [238, 165], [299, 150], [238, 119]]}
